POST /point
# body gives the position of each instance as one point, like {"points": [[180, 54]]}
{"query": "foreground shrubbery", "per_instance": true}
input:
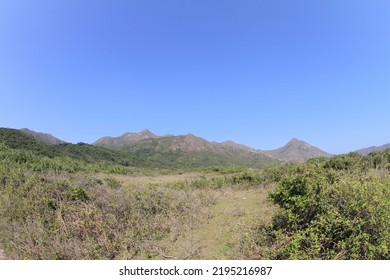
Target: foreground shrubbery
{"points": [[336, 208], [57, 216]]}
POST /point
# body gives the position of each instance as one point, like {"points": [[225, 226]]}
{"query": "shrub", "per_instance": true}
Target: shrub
{"points": [[323, 218]]}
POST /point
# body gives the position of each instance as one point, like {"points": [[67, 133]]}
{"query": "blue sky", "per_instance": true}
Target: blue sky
{"points": [[255, 72]]}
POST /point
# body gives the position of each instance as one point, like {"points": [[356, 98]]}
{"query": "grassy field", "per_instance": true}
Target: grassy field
{"points": [[61, 208], [215, 230], [105, 216], [231, 218]]}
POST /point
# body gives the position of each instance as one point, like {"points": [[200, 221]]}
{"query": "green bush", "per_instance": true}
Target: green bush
{"points": [[324, 215], [78, 194]]}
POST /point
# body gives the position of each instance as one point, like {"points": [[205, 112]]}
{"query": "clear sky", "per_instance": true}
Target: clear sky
{"points": [[258, 72]]}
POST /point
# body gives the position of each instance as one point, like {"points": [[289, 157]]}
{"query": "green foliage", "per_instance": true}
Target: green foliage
{"points": [[333, 209], [17, 139], [113, 183], [38, 163], [343, 162], [78, 194]]}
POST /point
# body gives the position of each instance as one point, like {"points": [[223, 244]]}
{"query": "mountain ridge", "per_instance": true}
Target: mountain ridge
{"points": [[295, 150], [193, 150], [366, 151], [43, 137]]}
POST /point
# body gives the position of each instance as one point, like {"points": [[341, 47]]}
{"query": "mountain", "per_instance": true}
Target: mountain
{"points": [[124, 140], [368, 150], [297, 150], [43, 137], [184, 150]]}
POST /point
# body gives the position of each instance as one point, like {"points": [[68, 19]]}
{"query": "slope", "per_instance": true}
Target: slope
{"points": [[43, 137], [17, 139]]}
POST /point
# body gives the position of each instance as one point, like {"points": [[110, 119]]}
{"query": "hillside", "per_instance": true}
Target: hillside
{"points": [[43, 137], [371, 149], [185, 151], [17, 139], [298, 151]]}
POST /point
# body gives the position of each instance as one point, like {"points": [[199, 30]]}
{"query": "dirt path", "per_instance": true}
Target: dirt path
{"points": [[217, 237], [234, 213], [2, 256]]}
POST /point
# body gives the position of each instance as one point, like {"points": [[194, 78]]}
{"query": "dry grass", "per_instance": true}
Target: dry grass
{"points": [[85, 216], [142, 180], [94, 217], [224, 226]]}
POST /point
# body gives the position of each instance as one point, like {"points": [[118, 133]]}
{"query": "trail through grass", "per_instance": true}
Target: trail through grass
{"points": [[221, 225], [228, 220], [235, 212]]}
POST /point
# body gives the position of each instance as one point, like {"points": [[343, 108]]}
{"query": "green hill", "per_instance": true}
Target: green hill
{"points": [[17, 139]]}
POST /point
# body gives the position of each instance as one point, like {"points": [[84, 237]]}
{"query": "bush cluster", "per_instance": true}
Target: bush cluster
{"points": [[337, 208]]}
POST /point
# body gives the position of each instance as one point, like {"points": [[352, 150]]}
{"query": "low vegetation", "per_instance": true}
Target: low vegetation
{"points": [[77, 207], [336, 208]]}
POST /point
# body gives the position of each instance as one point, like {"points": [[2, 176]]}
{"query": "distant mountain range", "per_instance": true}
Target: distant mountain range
{"points": [[151, 144], [371, 149], [184, 150], [147, 148]]}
